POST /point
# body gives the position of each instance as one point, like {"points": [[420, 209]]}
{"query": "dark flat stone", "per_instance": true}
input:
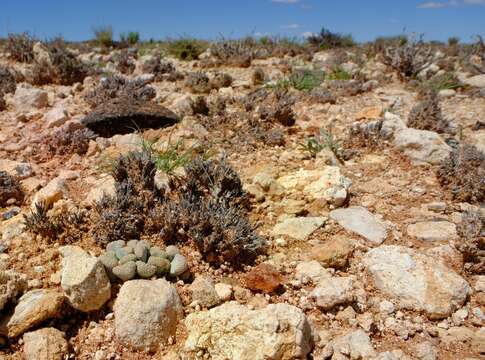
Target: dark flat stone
{"points": [[125, 115]]}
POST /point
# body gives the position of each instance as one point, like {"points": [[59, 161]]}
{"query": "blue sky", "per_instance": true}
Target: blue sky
{"points": [[210, 19]]}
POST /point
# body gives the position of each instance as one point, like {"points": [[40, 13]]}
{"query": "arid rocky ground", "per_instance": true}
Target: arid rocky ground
{"points": [[373, 230]]}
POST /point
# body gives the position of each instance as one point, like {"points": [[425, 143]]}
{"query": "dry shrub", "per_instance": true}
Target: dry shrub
{"points": [[426, 114], [162, 69], [64, 141], [365, 135], [409, 58], [125, 63], [205, 207], [116, 87], [258, 76], [62, 68], [472, 232], [463, 174], [9, 189], [7, 81], [65, 227], [198, 82], [122, 215], [20, 47], [232, 52]]}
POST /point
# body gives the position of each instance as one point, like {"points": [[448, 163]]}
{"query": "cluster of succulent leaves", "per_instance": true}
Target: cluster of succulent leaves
{"points": [[205, 207], [126, 260]]}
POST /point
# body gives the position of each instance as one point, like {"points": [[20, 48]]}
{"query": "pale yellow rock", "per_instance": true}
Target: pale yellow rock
{"points": [[52, 192]]}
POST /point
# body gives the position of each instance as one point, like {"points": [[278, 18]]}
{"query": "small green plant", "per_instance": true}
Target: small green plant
{"points": [[306, 79], [446, 81], [303, 80], [130, 39], [339, 73], [103, 35], [280, 85], [452, 41], [186, 48], [173, 156], [324, 140], [330, 40]]}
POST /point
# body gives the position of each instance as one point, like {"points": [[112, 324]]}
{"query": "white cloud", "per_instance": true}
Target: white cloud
{"points": [[393, 20], [433, 5], [474, 2], [307, 34], [440, 5], [291, 26], [285, 1]]}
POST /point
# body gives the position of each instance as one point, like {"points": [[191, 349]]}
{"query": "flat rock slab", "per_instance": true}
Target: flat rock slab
{"points": [[359, 220], [33, 308], [123, 116], [433, 230], [298, 228], [233, 331], [416, 281], [422, 146]]}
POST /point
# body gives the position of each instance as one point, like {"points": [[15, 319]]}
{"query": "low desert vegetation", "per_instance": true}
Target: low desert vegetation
{"points": [[233, 169], [103, 36]]}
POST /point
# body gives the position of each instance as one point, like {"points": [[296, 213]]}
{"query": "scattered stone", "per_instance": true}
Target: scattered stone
{"points": [[426, 351], [224, 291], [333, 291], [103, 186], [446, 93], [386, 307], [84, 279], [355, 344], [299, 228], [327, 185], [204, 292], [359, 220], [459, 317], [333, 253], [433, 230], [33, 308], [311, 271], [370, 113], [475, 81], [51, 193], [232, 331], [416, 281], [422, 146], [21, 170], [28, 98], [55, 117], [12, 285], [146, 313], [263, 277], [45, 344]]}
